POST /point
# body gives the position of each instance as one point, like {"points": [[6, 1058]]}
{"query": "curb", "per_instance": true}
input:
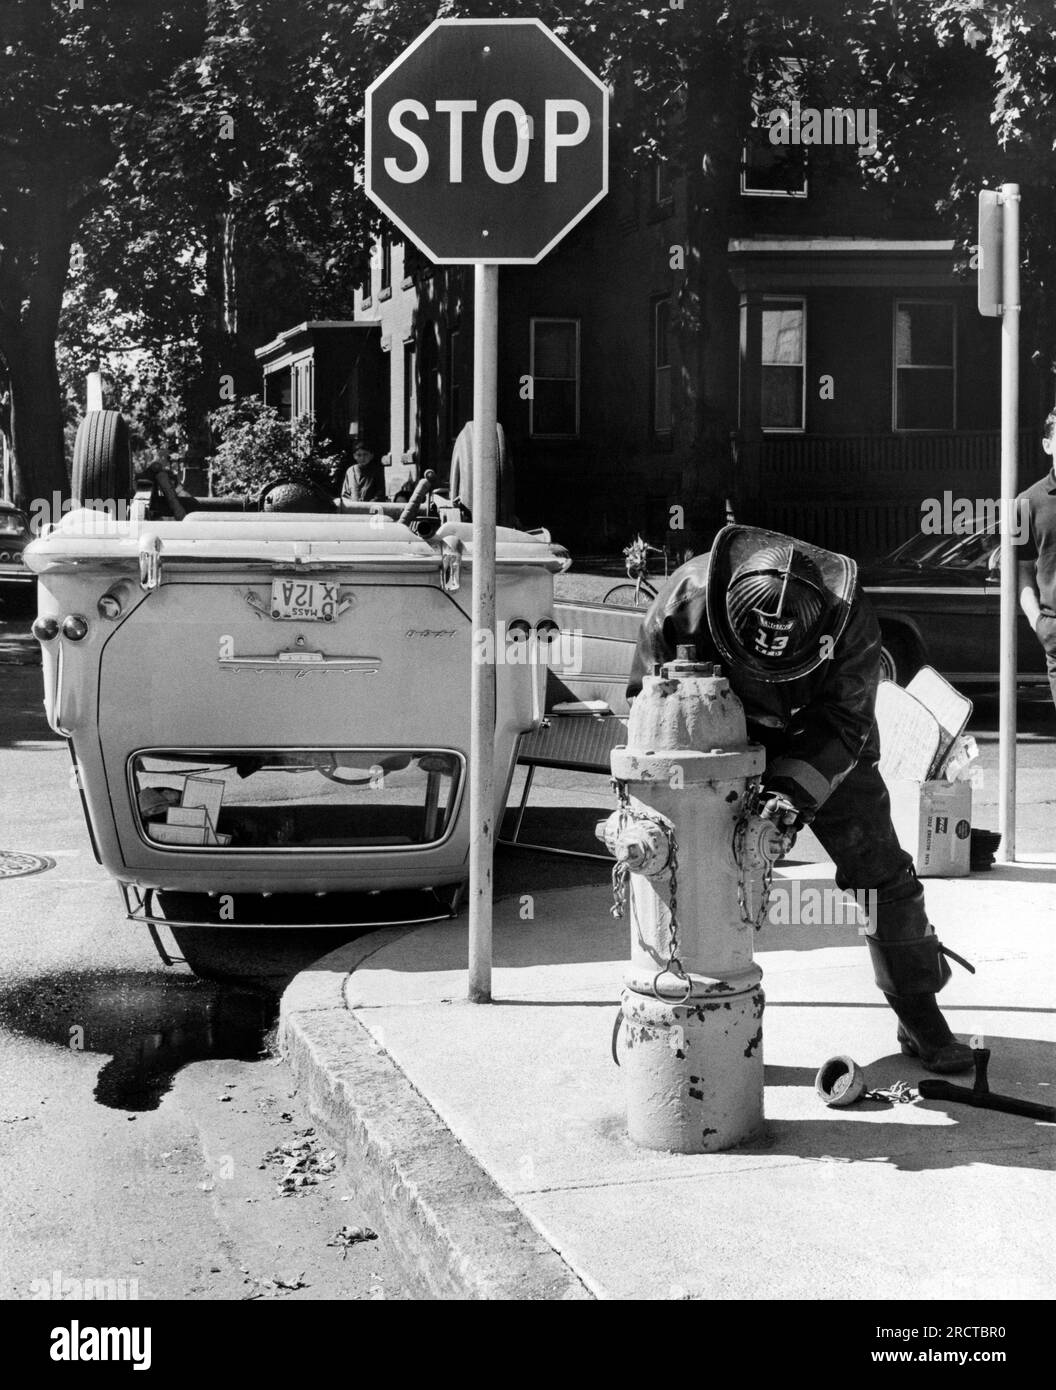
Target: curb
{"points": [[455, 1232]]}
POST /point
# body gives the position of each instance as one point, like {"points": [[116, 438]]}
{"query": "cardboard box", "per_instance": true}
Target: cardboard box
{"points": [[204, 791], [933, 822], [166, 834]]}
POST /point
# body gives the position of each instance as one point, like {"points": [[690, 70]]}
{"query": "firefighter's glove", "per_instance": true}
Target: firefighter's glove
{"points": [[776, 807]]}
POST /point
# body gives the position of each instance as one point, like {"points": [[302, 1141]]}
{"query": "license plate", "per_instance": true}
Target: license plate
{"points": [[299, 600]]}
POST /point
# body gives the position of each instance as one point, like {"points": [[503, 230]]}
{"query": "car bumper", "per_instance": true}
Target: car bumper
{"points": [[15, 573]]}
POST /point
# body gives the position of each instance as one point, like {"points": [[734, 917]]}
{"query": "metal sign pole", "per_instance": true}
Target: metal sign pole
{"points": [[1009, 489], [482, 698]]}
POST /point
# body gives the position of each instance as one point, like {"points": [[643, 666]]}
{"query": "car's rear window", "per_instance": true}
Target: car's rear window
{"points": [[294, 799]]}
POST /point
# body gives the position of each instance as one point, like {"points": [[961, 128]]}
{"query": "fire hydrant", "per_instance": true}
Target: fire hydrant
{"points": [[691, 856]]}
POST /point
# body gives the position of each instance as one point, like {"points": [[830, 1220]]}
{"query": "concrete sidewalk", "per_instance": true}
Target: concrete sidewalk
{"points": [[490, 1140]]}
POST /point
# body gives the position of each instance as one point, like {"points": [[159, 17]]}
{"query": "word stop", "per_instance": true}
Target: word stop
{"points": [[554, 138]]}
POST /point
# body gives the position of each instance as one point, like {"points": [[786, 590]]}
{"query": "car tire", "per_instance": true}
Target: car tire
{"points": [[900, 659], [460, 482], [102, 459]]}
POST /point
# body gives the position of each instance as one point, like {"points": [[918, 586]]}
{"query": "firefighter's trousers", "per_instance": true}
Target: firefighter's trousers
{"points": [[854, 828]]}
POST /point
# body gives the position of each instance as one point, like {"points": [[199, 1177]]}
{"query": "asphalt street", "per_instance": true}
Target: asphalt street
{"points": [[146, 1127]]}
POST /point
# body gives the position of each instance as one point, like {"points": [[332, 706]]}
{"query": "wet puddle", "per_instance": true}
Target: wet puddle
{"points": [[148, 1026]]}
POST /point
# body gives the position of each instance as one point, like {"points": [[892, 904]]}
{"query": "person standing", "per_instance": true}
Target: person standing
{"points": [[1037, 553], [364, 479]]}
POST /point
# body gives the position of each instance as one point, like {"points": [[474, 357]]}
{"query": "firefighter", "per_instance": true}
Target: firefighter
{"points": [[800, 646]]}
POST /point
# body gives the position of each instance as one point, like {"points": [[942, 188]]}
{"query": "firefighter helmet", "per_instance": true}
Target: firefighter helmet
{"points": [[774, 603], [776, 606]]}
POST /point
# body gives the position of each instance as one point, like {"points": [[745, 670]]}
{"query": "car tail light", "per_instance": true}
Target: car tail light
{"points": [[518, 630], [45, 629], [547, 632], [75, 627]]}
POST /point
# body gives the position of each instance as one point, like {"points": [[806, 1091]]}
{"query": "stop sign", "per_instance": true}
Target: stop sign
{"points": [[486, 141]]}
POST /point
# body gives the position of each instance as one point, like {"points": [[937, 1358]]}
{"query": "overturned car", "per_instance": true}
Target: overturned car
{"points": [[268, 708]]}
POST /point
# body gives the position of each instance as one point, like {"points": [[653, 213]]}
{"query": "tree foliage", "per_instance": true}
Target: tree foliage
{"points": [[257, 447], [72, 79], [213, 147]]}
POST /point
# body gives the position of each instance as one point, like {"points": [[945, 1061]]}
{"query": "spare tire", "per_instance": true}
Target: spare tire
{"points": [[460, 484], [102, 459]]}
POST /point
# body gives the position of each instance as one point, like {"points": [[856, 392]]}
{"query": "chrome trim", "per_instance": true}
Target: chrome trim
{"points": [[149, 562], [138, 912], [303, 662], [336, 850], [56, 696], [451, 565]]}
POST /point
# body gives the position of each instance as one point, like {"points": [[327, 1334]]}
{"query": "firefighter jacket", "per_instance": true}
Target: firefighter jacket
{"points": [[815, 727]]}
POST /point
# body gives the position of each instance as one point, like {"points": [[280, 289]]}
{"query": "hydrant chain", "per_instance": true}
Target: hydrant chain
{"points": [[621, 873]]}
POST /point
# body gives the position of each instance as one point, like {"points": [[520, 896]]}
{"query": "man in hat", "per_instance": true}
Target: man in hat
{"points": [[800, 647]]}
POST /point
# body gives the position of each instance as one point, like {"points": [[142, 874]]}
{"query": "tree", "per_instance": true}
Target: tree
{"points": [[258, 447], [72, 78], [981, 112], [233, 209]]}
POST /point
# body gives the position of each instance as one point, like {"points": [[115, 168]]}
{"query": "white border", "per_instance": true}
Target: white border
{"points": [[485, 260]]}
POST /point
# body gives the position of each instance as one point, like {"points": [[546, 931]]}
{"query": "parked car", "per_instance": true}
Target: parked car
{"points": [[938, 600], [15, 535]]}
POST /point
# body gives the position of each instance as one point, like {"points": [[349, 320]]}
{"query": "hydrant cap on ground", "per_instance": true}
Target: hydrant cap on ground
{"points": [[840, 1081]]}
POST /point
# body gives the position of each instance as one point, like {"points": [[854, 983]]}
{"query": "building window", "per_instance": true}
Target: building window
{"points": [[302, 380], [783, 366], [661, 366], [455, 417], [385, 281], [553, 408], [769, 170], [663, 186], [925, 353], [410, 396]]}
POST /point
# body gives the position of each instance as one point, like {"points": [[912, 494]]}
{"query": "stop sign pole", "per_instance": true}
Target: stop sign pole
{"points": [[998, 295], [486, 141], [485, 651]]}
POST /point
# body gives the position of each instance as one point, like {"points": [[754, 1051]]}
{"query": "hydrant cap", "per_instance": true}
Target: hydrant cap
{"points": [[840, 1081]]}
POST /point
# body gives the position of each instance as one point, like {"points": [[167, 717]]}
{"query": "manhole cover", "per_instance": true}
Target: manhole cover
{"points": [[15, 864]]}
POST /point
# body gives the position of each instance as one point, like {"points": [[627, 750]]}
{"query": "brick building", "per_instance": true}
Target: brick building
{"points": [[814, 359]]}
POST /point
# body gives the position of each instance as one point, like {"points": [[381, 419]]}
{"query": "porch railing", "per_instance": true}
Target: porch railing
{"points": [[862, 494]]}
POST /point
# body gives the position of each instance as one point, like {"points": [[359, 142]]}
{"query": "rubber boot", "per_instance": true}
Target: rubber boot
{"points": [[910, 973], [924, 1033]]}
